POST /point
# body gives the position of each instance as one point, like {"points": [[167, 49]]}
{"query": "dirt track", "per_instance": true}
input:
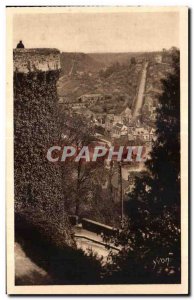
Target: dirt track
{"points": [[140, 96]]}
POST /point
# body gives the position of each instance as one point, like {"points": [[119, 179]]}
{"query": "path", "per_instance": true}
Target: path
{"points": [[140, 95], [26, 271], [87, 240]]}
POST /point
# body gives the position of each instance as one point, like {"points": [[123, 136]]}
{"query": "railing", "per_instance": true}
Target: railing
{"points": [[96, 242]]}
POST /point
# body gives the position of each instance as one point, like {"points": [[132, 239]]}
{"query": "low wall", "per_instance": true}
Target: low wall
{"points": [[97, 227]]}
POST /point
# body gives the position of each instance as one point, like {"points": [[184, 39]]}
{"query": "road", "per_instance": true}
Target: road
{"points": [[140, 96]]}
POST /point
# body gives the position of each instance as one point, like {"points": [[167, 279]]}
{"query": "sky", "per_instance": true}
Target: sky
{"points": [[98, 32]]}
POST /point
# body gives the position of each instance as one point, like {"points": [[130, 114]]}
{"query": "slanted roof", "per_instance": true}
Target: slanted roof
{"points": [[119, 125]]}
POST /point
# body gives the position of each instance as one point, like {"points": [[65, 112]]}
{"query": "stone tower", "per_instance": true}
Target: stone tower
{"points": [[38, 185]]}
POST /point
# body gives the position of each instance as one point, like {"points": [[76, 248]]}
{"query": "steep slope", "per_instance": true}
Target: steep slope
{"points": [[122, 58], [121, 80], [78, 62]]}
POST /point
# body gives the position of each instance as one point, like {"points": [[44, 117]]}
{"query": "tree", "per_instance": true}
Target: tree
{"points": [[80, 179], [133, 61], [165, 157], [152, 230]]}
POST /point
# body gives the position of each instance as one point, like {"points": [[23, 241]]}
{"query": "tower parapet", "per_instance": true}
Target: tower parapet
{"points": [[36, 60]]}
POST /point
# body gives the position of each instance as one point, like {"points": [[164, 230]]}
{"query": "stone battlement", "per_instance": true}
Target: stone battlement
{"points": [[36, 60]]}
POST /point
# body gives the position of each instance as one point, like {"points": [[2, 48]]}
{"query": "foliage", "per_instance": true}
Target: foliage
{"points": [[150, 238], [63, 264], [38, 186], [83, 182], [133, 60]]}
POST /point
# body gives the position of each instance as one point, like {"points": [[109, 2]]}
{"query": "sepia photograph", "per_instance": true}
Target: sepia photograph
{"points": [[97, 136]]}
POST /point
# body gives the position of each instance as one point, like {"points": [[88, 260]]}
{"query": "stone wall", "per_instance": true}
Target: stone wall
{"points": [[31, 60]]}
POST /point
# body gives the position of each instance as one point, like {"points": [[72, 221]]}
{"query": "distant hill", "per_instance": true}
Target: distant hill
{"points": [[119, 80], [111, 73], [72, 62], [110, 58], [79, 62]]}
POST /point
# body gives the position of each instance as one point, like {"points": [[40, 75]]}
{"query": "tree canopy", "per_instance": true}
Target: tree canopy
{"points": [[151, 235]]}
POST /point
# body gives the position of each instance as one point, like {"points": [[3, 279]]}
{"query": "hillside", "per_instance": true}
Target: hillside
{"points": [[78, 62], [110, 58], [119, 81], [122, 58]]}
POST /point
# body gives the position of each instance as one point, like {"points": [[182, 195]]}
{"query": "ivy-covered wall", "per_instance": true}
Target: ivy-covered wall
{"points": [[38, 185]]}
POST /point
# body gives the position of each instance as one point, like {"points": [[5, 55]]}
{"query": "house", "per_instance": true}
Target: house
{"points": [[131, 137], [153, 136], [90, 99], [118, 118], [139, 133], [143, 133], [78, 105], [116, 130], [124, 130], [109, 122], [123, 116], [119, 130], [100, 119], [126, 115]]}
